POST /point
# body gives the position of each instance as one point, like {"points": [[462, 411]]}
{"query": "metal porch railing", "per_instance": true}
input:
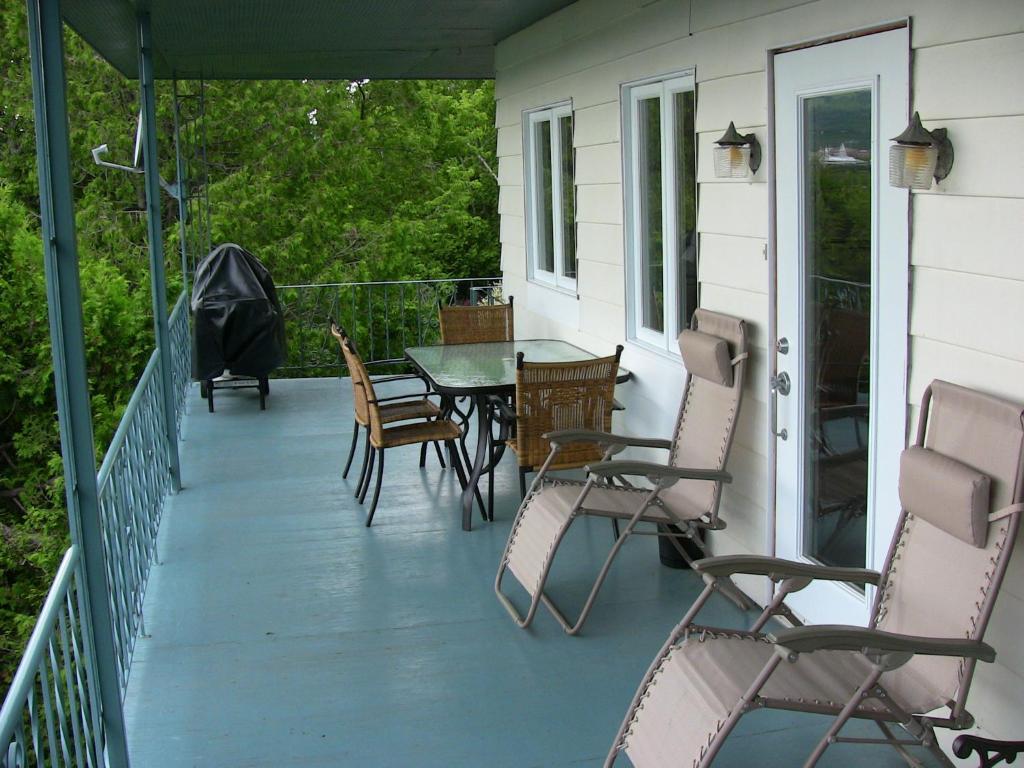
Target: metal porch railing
{"points": [[51, 714], [382, 317]]}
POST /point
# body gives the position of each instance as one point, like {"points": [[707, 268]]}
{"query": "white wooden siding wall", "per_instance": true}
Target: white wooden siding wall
{"points": [[967, 300]]}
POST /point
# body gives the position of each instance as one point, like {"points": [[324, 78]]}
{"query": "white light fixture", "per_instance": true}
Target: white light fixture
{"points": [[737, 155], [919, 155]]}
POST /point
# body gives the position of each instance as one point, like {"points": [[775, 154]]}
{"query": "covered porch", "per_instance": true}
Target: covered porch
{"points": [[279, 630], [223, 603]]}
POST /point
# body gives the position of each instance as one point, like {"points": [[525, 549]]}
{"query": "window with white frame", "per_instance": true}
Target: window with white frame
{"points": [[550, 196], [660, 166]]}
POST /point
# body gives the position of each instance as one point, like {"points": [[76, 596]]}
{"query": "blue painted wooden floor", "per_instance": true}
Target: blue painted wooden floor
{"points": [[282, 632]]}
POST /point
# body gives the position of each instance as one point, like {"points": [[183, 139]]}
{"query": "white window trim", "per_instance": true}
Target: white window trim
{"points": [[553, 114], [663, 87]]}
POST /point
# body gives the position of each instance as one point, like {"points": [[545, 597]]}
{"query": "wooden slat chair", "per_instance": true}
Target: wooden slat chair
{"points": [[961, 490], [687, 488], [382, 437], [475, 324], [407, 407]]}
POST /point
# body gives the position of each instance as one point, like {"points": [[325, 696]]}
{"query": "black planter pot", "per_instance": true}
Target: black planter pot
{"points": [[669, 555]]}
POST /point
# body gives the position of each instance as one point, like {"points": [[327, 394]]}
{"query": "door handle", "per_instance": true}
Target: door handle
{"points": [[779, 384]]}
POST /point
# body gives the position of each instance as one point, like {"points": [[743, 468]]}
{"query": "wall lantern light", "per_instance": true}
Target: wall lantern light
{"points": [[919, 155], [735, 153]]}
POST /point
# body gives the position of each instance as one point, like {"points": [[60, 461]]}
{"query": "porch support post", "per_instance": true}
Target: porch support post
{"points": [[64, 303], [158, 279]]}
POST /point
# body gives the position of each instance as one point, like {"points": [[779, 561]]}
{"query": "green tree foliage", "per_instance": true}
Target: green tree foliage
{"points": [[33, 521], [365, 181], [323, 181]]}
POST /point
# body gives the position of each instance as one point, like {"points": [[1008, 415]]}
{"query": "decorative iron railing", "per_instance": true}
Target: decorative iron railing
{"points": [[51, 716], [382, 317], [181, 355], [841, 294], [133, 481]]}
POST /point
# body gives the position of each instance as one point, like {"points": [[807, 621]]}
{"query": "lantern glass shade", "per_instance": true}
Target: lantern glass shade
{"points": [[732, 161], [912, 165]]}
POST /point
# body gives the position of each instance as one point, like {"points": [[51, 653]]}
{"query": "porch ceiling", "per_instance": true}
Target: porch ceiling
{"points": [[328, 39]]}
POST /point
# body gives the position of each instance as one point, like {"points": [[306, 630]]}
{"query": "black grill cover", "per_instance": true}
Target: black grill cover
{"points": [[237, 320]]}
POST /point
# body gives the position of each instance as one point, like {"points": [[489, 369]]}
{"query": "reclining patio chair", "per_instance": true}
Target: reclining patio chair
{"points": [[961, 487], [686, 491]]}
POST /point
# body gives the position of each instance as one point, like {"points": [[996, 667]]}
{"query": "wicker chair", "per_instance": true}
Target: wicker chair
{"points": [[552, 396], [471, 325], [381, 437], [392, 409], [474, 325]]}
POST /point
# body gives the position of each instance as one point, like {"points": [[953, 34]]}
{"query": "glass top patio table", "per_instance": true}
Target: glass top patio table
{"points": [[490, 367]]}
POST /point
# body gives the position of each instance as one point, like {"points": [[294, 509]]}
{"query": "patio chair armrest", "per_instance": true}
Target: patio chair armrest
{"points": [[659, 473], [396, 377], [378, 380], [777, 569], [839, 637], [565, 436], [407, 396]]}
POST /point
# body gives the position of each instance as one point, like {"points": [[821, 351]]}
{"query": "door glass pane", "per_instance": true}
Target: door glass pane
{"points": [[686, 202], [542, 190], [568, 199], [837, 269], [649, 219]]}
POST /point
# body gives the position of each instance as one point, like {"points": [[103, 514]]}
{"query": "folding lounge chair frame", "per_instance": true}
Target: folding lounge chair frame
{"points": [[897, 675], [715, 351]]}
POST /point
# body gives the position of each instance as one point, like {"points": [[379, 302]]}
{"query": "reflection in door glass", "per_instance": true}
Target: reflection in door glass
{"points": [[568, 198], [651, 242], [686, 207], [837, 266], [545, 234]]}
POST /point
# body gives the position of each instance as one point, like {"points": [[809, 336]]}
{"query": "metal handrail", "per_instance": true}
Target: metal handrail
{"points": [[382, 316], [395, 282], [54, 686], [181, 355], [121, 434]]}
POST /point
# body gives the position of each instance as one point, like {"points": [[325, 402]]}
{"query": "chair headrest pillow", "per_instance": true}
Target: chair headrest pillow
{"points": [[706, 357], [948, 494]]}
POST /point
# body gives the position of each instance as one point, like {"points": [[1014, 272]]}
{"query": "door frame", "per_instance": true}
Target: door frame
{"points": [[772, 254]]}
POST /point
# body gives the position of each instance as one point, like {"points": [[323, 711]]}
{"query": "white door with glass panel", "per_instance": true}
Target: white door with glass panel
{"points": [[842, 279]]}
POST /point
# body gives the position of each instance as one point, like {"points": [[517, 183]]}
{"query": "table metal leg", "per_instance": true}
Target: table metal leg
{"points": [[472, 491]]}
